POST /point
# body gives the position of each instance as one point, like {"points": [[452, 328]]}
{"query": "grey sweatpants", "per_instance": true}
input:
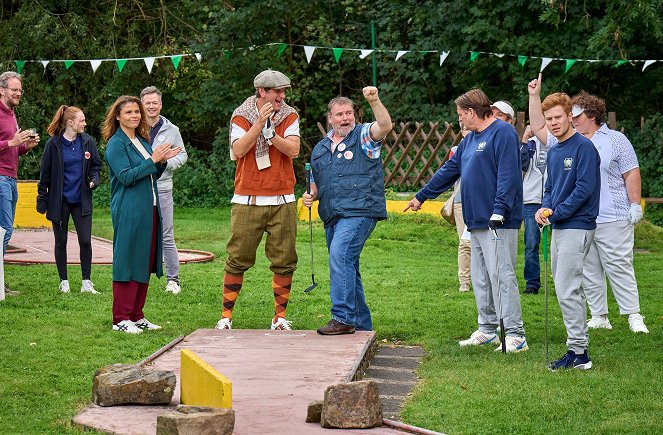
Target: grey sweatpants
{"points": [[488, 256], [568, 249], [611, 254], [170, 256]]}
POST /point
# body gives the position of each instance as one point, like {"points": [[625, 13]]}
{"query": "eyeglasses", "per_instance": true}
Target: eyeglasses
{"points": [[15, 91]]}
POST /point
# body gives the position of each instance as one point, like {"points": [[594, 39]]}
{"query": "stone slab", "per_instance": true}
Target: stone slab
{"points": [[275, 374]]}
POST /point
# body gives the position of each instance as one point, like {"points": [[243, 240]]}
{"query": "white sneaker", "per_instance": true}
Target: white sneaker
{"points": [[88, 287], [599, 322], [637, 324], [281, 325], [127, 326], [479, 338], [173, 287], [64, 286], [514, 344], [145, 324], [224, 323], [464, 288]]}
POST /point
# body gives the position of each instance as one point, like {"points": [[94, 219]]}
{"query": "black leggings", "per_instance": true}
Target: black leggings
{"points": [[83, 226]]}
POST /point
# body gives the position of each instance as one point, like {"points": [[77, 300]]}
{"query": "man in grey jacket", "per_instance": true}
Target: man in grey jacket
{"points": [[534, 155], [164, 131]]}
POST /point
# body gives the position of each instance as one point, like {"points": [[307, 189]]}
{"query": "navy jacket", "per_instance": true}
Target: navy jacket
{"points": [[51, 177], [350, 184]]}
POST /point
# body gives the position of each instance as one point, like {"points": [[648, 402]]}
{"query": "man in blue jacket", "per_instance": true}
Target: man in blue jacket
{"points": [[349, 183], [570, 205], [488, 163]]}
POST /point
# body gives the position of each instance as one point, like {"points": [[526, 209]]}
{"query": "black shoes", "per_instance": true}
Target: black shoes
{"points": [[531, 291]]}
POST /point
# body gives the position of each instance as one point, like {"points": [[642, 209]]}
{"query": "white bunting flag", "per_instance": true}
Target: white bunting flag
{"points": [[443, 57], [95, 65], [364, 54], [401, 53], [647, 63], [44, 62], [308, 50], [149, 63], [199, 57], [500, 55], [545, 61]]}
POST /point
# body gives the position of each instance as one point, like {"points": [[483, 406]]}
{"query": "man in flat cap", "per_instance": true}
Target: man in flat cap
{"points": [[264, 138]]}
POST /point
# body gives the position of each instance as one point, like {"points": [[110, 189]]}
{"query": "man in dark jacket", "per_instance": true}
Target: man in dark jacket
{"points": [[488, 163], [571, 205], [348, 180]]}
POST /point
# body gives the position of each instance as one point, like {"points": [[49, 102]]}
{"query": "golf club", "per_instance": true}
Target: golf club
{"points": [[499, 294], [307, 167], [544, 230]]}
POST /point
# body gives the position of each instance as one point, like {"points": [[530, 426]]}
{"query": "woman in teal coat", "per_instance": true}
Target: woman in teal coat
{"points": [[133, 169]]}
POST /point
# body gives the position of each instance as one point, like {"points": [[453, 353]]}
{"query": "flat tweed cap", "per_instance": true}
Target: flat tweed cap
{"points": [[271, 79]]}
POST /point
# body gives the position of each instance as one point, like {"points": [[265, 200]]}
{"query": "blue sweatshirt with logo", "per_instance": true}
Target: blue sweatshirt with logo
{"points": [[488, 164], [573, 187]]}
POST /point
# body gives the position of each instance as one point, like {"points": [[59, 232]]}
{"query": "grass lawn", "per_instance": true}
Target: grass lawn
{"points": [[52, 343]]}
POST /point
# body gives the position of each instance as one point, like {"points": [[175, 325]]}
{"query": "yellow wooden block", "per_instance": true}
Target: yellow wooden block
{"points": [[201, 384], [393, 206], [26, 208]]}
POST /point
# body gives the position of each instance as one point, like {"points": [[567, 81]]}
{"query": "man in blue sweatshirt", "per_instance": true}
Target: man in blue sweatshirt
{"points": [[570, 205], [488, 163]]}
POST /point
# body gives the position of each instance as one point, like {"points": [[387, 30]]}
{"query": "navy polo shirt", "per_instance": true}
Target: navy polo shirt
{"points": [[72, 156]]}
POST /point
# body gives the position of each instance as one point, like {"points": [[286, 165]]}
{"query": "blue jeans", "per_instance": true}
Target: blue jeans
{"points": [[8, 200], [532, 272], [345, 240]]}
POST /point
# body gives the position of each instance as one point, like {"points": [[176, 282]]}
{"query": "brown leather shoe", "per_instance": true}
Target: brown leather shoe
{"points": [[336, 328]]}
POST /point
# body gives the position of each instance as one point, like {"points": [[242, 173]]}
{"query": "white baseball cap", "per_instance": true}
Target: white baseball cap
{"points": [[576, 111], [504, 107]]}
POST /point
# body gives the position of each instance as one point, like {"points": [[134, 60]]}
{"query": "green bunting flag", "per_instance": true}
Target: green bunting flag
{"points": [[120, 63], [423, 53], [522, 60], [176, 61], [621, 62], [228, 54], [68, 63], [337, 54], [19, 65], [282, 47], [569, 64], [474, 55]]}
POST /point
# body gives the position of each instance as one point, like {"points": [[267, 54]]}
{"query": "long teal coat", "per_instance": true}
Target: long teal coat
{"points": [[133, 180]]}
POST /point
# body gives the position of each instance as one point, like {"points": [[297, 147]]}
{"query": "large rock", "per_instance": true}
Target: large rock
{"points": [[119, 384], [196, 420], [352, 405]]}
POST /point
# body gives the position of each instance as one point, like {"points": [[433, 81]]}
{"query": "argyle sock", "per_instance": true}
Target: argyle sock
{"points": [[281, 286], [232, 284]]}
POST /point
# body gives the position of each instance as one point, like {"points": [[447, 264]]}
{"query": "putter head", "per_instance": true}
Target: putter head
{"points": [[311, 287]]}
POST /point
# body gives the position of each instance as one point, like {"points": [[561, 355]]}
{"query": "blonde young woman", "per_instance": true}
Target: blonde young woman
{"points": [[70, 170], [133, 168]]}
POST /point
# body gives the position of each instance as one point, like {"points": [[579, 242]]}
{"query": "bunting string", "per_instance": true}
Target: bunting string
{"points": [[338, 52]]}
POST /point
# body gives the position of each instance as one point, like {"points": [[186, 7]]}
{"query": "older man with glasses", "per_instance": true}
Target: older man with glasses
{"points": [[14, 142]]}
